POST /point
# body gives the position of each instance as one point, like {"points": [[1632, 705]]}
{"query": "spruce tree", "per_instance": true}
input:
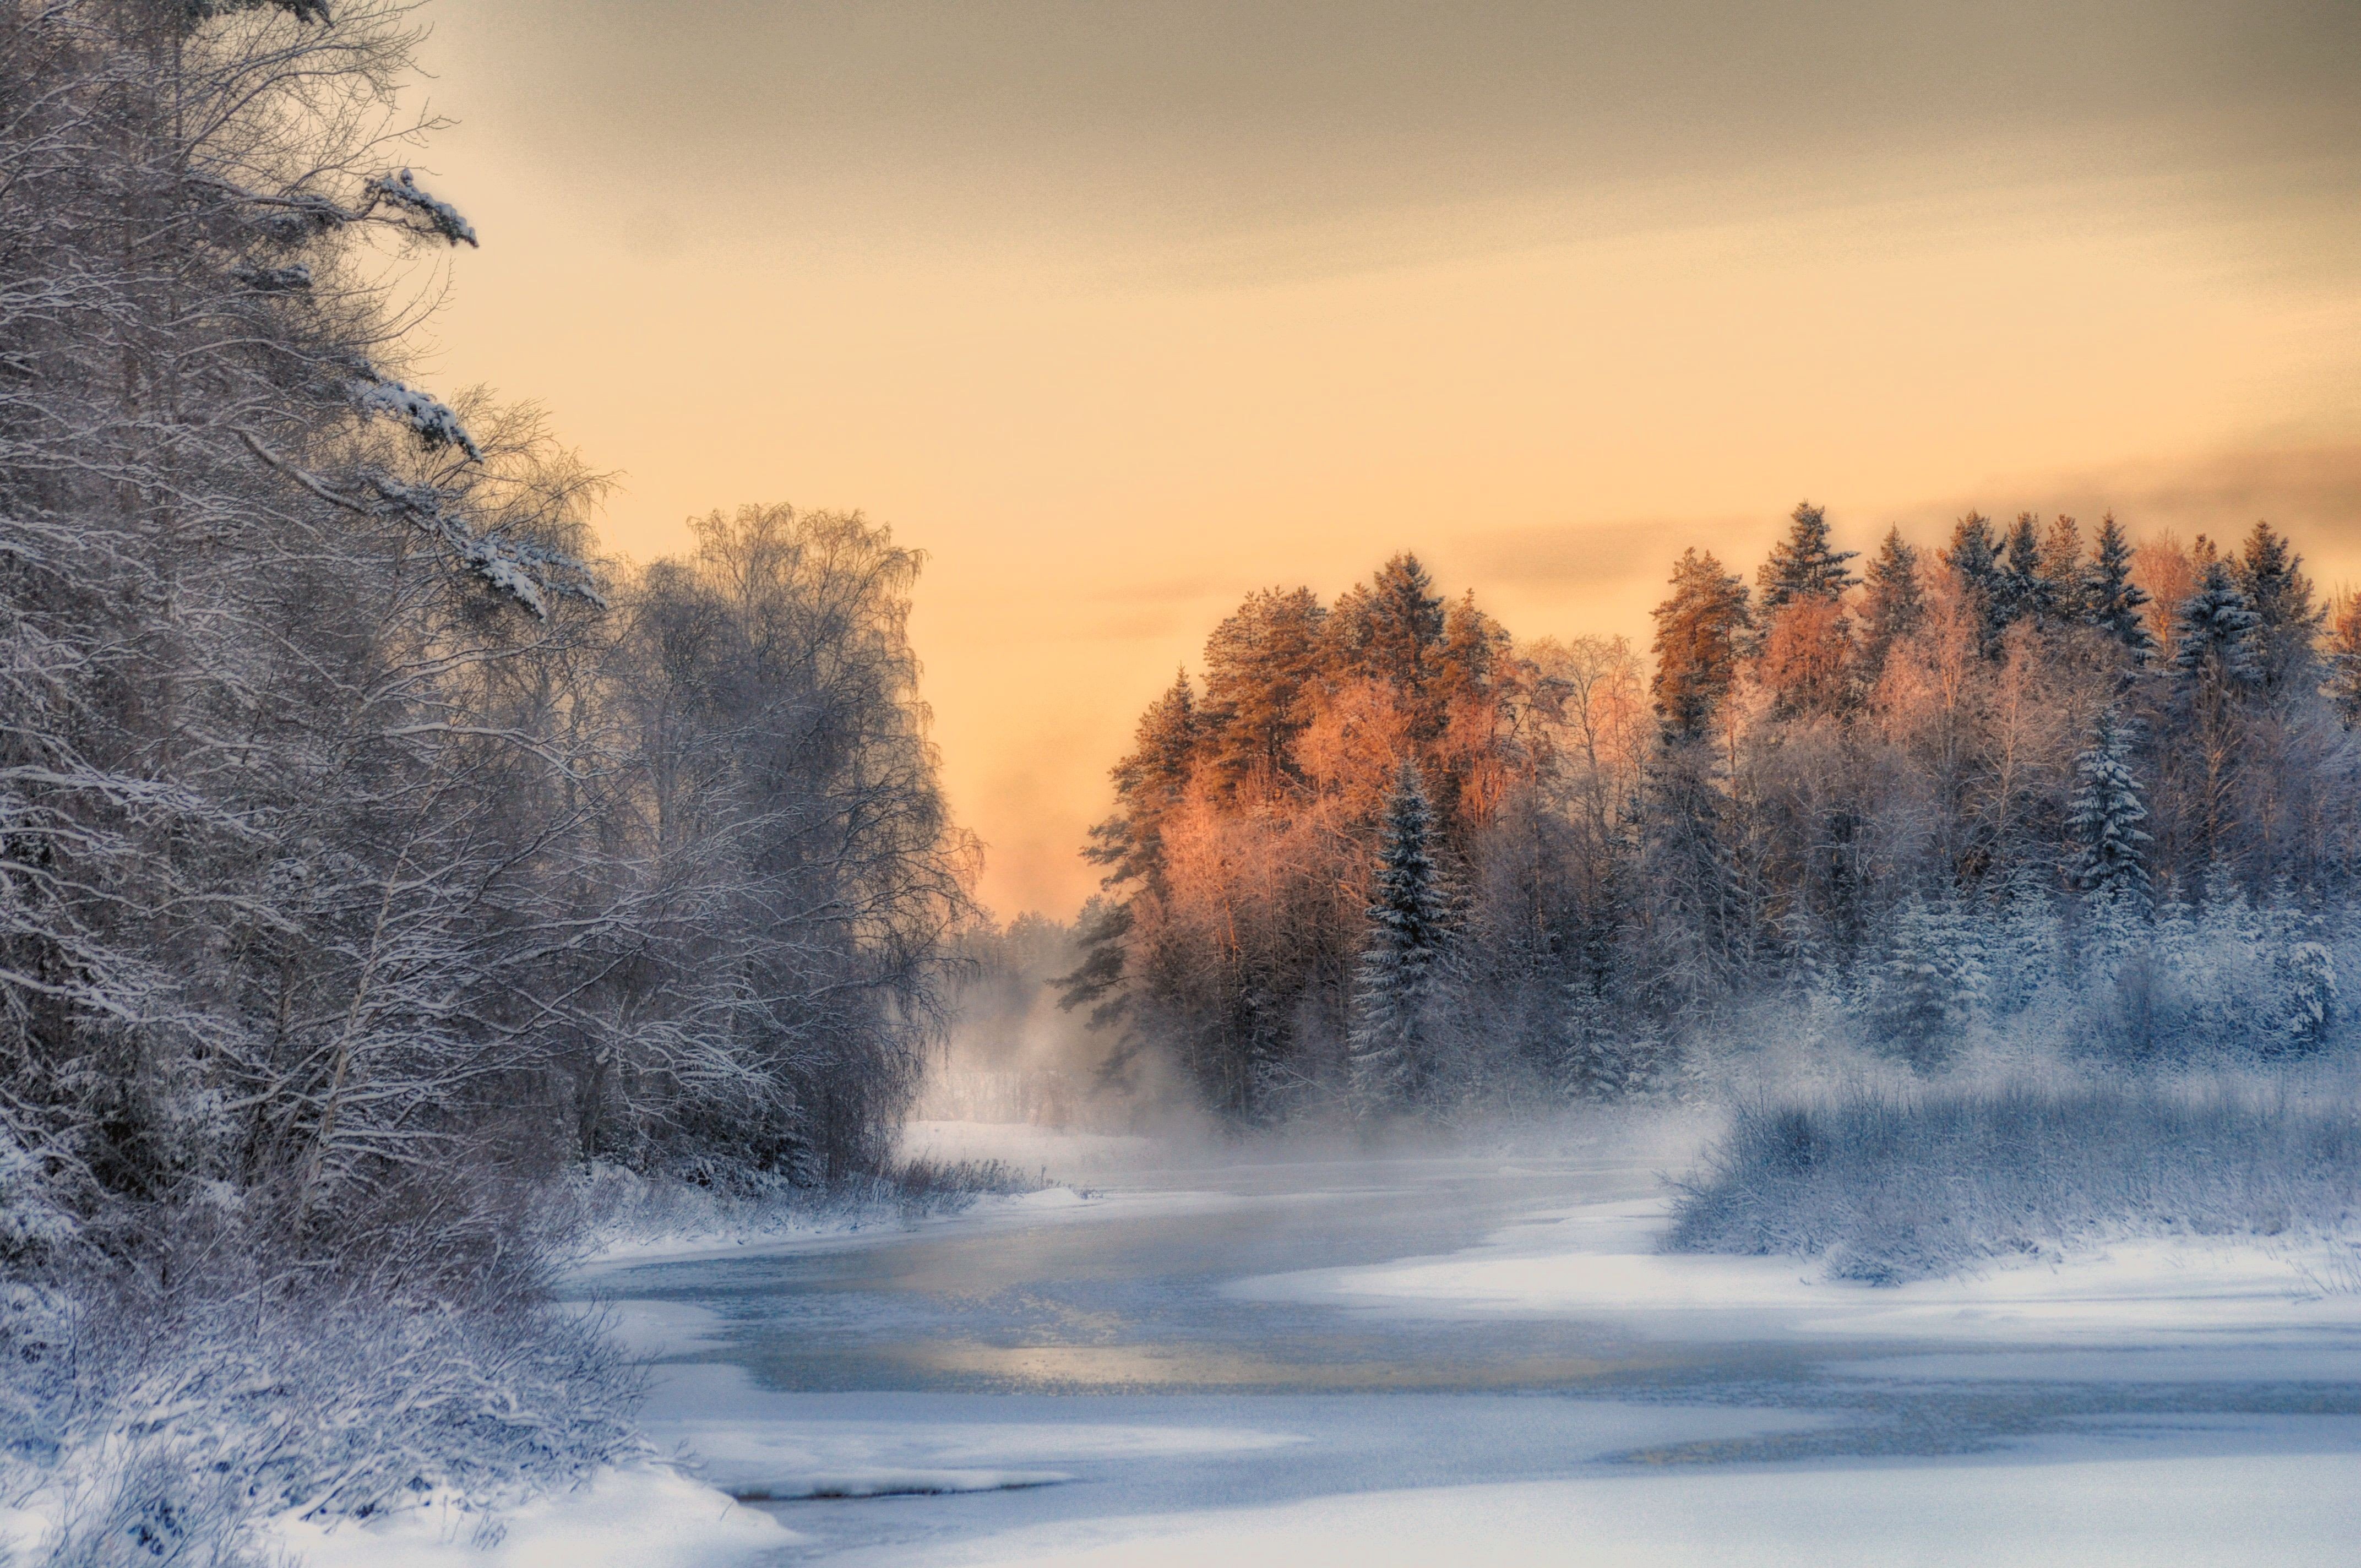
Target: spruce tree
{"points": [[1698, 630], [2111, 601], [1400, 956], [1933, 978], [1390, 628], [1974, 561], [1802, 566], [2214, 636], [2287, 619], [2024, 588], [2343, 657], [1891, 603], [2108, 863], [2061, 567]]}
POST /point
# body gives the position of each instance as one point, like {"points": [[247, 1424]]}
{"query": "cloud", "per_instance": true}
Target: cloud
{"points": [[1609, 552], [1220, 118], [2309, 491]]}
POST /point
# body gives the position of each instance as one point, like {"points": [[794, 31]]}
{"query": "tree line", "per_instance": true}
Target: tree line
{"points": [[1383, 857], [368, 849]]}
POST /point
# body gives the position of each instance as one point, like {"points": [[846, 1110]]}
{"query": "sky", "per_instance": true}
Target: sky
{"points": [[1121, 311]]}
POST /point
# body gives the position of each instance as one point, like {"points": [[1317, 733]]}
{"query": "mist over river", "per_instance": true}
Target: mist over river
{"points": [[1317, 1354]]}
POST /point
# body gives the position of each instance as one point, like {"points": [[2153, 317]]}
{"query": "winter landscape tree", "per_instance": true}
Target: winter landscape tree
{"points": [[1934, 802]]}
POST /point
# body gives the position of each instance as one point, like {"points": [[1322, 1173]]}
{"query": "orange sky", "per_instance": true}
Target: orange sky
{"points": [[1120, 310]]}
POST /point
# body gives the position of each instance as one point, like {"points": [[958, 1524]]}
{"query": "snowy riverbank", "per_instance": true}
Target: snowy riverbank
{"points": [[1101, 1377]]}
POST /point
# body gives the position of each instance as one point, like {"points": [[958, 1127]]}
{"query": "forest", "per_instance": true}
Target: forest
{"points": [[2040, 785], [373, 854]]}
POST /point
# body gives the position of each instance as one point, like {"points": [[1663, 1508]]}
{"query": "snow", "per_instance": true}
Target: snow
{"points": [[642, 1517], [1600, 1261], [2188, 1509], [433, 419], [1762, 1413]]}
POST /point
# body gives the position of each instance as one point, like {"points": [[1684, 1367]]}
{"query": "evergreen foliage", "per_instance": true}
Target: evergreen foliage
{"points": [[2024, 588], [2287, 620], [2104, 818], [1699, 632], [1893, 603], [1933, 979], [1396, 980], [2215, 642], [2111, 601], [1802, 566], [1973, 559]]}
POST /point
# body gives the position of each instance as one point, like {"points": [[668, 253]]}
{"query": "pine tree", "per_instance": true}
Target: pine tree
{"points": [[1260, 663], [1400, 968], [2111, 601], [1697, 917], [2287, 619], [2216, 678], [2024, 588], [1148, 784], [1974, 561], [1389, 628], [1802, 566], [2108, 863], [2026, 955], [1891, 603], [2061, 567], [1698, 630], [2215, 635], [2343, 657], [1933, 978]]}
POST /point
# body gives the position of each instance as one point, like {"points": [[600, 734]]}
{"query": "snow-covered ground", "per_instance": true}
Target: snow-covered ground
{"points": [[649, 1515], [1244, 1354], [1599, 1261], [2074, 1511]]}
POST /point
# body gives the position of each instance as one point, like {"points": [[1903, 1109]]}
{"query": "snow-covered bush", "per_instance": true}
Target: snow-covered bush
{"points": [[164, 1413], [1890, 1185]]}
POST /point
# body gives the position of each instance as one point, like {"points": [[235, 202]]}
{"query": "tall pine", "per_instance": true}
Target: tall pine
{"points": [[2111, 601], [1401, 958], [1802, 566], [1974, 561], [1890, 605], [2215, 642], [2025, 589], [1698, 628], [2286, 619], [2108, 863]]}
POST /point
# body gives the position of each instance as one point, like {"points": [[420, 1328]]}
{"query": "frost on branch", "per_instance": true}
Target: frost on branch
{"points": [[301, 10], [436, 425], [440, 215], [295, 279], [529, 574]]}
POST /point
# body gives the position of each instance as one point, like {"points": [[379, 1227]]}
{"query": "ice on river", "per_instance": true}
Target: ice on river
{"points": [[1248, 1355], [1600, 1261]]}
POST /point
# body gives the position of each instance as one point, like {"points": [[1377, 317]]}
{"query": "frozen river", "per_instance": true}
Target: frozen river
{"points": [[1239, 1358]]}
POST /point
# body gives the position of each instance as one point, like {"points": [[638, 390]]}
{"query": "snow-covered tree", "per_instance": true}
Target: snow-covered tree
{"points": [[1974, 558], [2214, 640], [1892, 607], [1933, 979], [2108, 863], [2110, 600], [1400, 973], [2287, 619]]}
